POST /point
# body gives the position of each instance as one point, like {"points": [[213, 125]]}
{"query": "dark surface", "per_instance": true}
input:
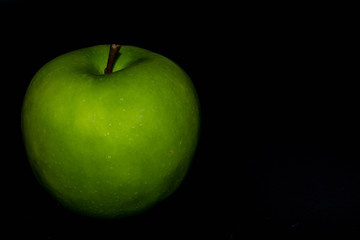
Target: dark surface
{"points": [[280, 137]]}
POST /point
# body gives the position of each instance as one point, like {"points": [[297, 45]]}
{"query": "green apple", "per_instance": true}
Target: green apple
{"points": [[110, 145]]}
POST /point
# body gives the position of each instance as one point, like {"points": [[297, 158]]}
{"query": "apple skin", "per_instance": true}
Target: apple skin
{"points": [[110, 145]]}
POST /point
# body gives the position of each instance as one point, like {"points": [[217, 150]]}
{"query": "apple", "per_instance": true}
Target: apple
{"points": [[110, 143]]}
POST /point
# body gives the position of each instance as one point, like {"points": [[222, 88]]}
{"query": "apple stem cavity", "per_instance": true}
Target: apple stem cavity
{"points": [[114, 49]]}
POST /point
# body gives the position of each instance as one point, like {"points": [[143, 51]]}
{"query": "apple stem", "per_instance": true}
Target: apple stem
{"points": [[114, 49]]}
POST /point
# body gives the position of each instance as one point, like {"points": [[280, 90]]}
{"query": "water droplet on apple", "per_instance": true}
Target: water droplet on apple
{"points": [[109, 156]]}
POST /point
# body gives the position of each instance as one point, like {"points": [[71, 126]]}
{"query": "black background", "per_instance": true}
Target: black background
{"points": [[277, 84]]}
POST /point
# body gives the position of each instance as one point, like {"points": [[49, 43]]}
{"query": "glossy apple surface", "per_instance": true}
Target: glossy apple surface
{"points": [[110, 145]]}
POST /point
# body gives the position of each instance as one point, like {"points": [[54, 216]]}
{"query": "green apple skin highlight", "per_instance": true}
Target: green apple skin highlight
{"points": [[110, 145]]}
